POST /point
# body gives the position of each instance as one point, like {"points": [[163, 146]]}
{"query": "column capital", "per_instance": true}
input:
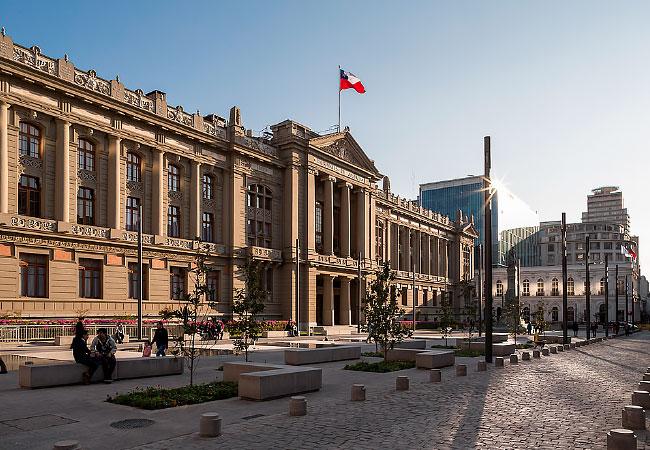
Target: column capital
{"points": [[64, 122], [114, 138], [328, 177], [346, 184], [312, 171], [4, 104]]}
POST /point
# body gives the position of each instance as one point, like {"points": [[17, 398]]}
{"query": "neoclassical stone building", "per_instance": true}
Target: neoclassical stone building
{"points": [[81, 156]]}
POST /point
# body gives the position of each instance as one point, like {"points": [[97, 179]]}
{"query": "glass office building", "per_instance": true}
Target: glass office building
{"points": [[524, 241], [466, 194]]}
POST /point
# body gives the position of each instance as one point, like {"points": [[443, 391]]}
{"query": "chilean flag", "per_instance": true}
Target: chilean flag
{"points": [[349, 80]]}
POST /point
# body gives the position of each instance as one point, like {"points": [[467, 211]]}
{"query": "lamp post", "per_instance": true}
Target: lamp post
{"points": [[565, 339], [140, 279], [487, 198], [606, 296], [627, 308], [616, 292], [587, 290], [480, 289]]}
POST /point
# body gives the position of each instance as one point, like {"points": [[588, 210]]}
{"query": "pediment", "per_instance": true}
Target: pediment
{"points": [[343, 146]]}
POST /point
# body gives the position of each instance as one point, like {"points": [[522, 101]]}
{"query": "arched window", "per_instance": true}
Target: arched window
{"points": [[570, 314], [133, 164], [499, 287], [602, 286], [86, 155], [208, 187], [29, 196], [173, 178], [30, 140], [258, 227], [526, 288], [555, 314], [555, 290], [85, 206], [570, 287], [540, 286]]}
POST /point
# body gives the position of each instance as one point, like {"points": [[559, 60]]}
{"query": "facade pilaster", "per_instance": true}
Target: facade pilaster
{"points": [[328, 215], [157, 194], [195, 197], [328, 300], [416, 250], [345, 219], [345, 313], [62, 177], [363, 240], [310, 215], [4, 158], [114, 182], [388, 242]]}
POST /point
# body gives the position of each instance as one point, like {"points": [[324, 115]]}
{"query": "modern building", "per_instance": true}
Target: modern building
{"points": [[84, 160], [605, 205], [467, 195], [524, 241]]}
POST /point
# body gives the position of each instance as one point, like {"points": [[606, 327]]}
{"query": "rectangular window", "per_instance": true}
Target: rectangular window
{"points": [[133, 281], [29, 196], [405, 292], [213, 281], [207, 233], [337, 229], [90, 278], [33, 275], [132, 213], [173, 221], [551, 248], [176, 283], [607, 245], [319, 225], [85, 206]]}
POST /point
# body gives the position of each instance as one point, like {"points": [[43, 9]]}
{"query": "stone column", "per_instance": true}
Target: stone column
{"points": [[345, 219], [345, 312], [328, 300], [195, 199], [157, 194], [4, 158], [114, 182], [395, 229], [328, 216], [388, 242], [310, 209], [363, 237], [427, 255], [407, 250], [417, 244], [62, 177]]}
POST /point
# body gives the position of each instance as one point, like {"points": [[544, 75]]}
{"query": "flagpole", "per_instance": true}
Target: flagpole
{"points": [[339, 129]]}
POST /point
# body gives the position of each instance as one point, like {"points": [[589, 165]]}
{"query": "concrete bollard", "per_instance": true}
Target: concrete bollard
{"points": [[641, 398], [210, 425], [514, 359], [578, 344], [525, 356], [298, 406], [402, 383], [498, 361], [566, 347], [633, 417], [435, 376], [572, 345], [644, 386], [646, 376], [535, 353], [553, 350], [621, 439], [481, 366], [67, 445], [461, 370], [358, 393], [546, 352], [560, 348]]}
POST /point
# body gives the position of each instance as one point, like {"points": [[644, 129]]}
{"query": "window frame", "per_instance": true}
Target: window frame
{"points": [[131, 213], [132, 280], [90, 269], [27, 192], [174, 221], [177, 282], [86, 155], [207, 227], [34, 262], [173, 178], [213, 282], [133, 167], [83, 203], [27, 137], [207, 185]]}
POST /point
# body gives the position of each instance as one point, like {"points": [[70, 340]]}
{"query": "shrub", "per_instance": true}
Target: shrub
{"points": [[380, 367], [160, 397], [470, 353], [374, 354]]}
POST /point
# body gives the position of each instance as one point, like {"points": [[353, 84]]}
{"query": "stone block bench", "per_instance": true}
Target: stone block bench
{"points": [[300, 356], [274, 334], [403, 354], [412, 343], [261, 381], [434, 359], [503, 349], [66, 373], [67, 340]]}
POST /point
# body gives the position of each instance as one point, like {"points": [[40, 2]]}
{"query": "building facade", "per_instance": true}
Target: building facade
{"points": [[524, 241], [84, 160], [467, 195], [605, 205]]}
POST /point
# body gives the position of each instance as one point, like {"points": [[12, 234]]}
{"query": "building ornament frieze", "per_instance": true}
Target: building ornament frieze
{"points": [[339, 170], [28, 161], [177, 114], [138, 99], [134, 186], [85, 175], [91, 81], [33, 223], [32, 57]]}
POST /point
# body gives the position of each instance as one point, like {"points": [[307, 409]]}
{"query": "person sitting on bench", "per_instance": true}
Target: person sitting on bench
{"points": [[82, 354], [104, 348]]}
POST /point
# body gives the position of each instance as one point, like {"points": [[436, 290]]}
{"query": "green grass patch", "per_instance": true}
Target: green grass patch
{"points": [[161, 397], [375, 354], [522, 346], [470, 353], [451, 347], [380, 367]]}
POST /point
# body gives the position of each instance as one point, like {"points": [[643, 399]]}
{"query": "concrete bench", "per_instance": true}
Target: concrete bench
{"points": [[503, 349], [232, 370], [65, 373], [269, 384], [67, 340], [274, 334], [499, 337], [413, 343], [300, 356], [435, 359], [403, 354]]}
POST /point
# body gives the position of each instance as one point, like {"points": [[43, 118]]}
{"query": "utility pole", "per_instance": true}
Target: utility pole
{"points": [[565, 305], [616, 292], [480, 289], [298, 286], [606, 296], [359, 295], [587, 290], [414, 296], [487, 198], [627, 308]]}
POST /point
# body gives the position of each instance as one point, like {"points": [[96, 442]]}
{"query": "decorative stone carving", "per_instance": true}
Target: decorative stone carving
{"points": [[265, 253], [175, 195], [33, 223], [177, 114], [28, 161], [180, 243], [130, 236], [134, 186], [90, 81], [258, 145], [84, 230], [214, 130], [209, 203], [138, 99], [33, 57], [85, 175]]}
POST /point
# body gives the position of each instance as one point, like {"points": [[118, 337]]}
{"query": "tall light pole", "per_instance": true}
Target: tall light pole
{"points": [[616, 292], [140, 278], [627, 308], [359, 295], [487, 198], [606, 296], [587, 291], [565, 306], [480, 289], [298, 286]]}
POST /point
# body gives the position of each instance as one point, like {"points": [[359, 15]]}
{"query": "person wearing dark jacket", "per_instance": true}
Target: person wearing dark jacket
{"points": [[82, 355], [3, 367], [104, 348], [161, 339], [575, 328]]}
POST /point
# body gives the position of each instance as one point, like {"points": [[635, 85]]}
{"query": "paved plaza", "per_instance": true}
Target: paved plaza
{"points": [[568, 400]]}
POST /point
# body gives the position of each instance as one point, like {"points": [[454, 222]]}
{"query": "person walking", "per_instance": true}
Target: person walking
{"points": [[3, 367], [369, 338], [118, 333], [575, 328], [594, 328], [617, 327], [218, 326], [104, 348], [529, 328], [83, 356], [161, 339]]}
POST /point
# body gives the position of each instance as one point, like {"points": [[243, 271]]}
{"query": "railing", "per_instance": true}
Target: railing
{"points": [[27, 333]]}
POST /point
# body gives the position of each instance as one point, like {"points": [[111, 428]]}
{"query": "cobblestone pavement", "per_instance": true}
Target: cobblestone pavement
{"points": [[564, 401]]}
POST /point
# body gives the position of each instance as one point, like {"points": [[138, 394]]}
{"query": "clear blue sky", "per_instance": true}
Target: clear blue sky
{"points": [[562, 87]]}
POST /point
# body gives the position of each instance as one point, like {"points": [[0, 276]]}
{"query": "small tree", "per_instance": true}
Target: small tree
{"points": [[540, 318], [512, 318], [247, 305], [447, 319], [191, 311], [381, 310], [468, 291]]}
